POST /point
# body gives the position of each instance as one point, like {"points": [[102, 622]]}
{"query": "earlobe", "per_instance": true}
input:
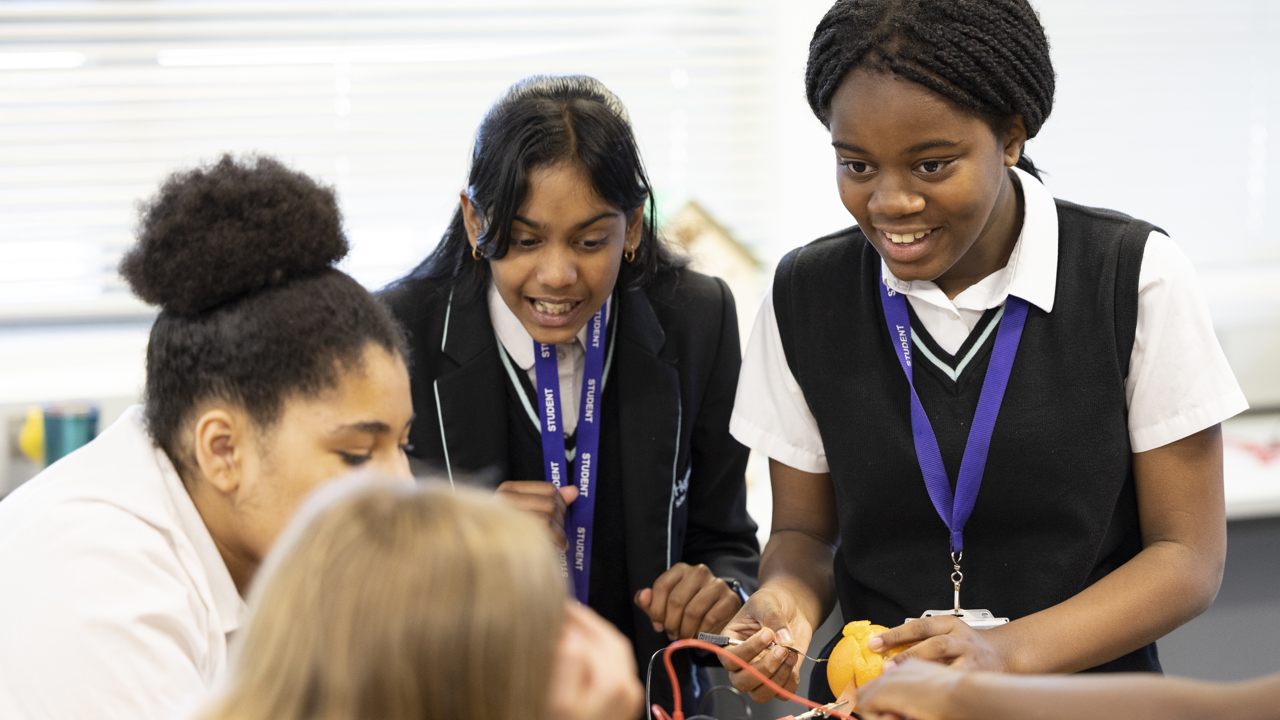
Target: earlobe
{"points": [[635, 230], [1015, 139], [469, 218], [219, 451]]}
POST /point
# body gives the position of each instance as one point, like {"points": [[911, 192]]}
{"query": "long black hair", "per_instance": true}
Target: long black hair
{"points": [[239, 256], [538, 122], [990, 57]]}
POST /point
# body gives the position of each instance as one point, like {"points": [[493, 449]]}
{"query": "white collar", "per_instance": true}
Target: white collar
{"points": [[1032, 271], [124, 468], [226, 597], [517, 341]]}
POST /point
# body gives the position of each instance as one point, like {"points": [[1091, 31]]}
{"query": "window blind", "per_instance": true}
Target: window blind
{"points": [[100, 101]]}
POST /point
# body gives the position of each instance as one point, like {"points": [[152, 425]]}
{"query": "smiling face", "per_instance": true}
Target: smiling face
{"points": [[566, 249], [927, 182]]}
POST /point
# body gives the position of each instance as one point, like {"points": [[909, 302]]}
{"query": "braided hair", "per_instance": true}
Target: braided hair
{"points": [[989, 57]]}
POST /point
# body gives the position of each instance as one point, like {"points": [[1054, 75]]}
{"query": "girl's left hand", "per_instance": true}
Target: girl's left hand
{"points": [[947, 640], [688, 599]]}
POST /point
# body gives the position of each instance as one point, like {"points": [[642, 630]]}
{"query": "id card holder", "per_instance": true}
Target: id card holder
{"points": [[976, 619]]}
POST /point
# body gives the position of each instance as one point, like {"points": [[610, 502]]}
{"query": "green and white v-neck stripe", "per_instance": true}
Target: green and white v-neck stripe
{"points": [[954, 373]]}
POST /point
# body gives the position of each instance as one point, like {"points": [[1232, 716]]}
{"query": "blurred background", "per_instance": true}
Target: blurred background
{"points": [[1164, 111]]}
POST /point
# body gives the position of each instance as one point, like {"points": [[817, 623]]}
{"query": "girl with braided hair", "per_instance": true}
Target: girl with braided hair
{"points": [[972, 332]]}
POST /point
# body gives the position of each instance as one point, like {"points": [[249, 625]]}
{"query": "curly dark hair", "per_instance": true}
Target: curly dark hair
{"points": [[990, 57], [538, 122], [239, 255]]}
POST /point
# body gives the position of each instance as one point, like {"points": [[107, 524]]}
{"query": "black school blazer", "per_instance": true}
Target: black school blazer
{"points": [[676, 362]]}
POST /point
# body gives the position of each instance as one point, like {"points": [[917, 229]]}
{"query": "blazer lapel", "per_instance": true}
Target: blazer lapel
{"points": [[471, 400], [650, 423]]}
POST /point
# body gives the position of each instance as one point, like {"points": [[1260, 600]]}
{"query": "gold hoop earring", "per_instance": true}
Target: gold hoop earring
{"points": [[629, 254], [475, 252]]}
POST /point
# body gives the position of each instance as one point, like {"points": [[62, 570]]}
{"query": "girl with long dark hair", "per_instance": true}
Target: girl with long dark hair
{"points": [[558, 344]]}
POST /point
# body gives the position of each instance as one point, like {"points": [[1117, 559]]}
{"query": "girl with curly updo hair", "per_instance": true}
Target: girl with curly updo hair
{"points": [[269, 372], [972, 332]]}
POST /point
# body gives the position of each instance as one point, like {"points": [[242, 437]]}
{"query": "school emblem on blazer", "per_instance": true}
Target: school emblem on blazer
{"points": [[682, 489]]}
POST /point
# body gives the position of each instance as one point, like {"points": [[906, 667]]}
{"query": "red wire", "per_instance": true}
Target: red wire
{"points": [[675, 683]]}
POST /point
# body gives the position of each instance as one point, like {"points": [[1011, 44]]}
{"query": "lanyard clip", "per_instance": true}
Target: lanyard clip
{"points": [[976, 619], [957, 577]]}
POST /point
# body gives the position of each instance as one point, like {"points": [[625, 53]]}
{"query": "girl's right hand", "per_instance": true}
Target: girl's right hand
{"points": [[545, 501], [770, 615]]}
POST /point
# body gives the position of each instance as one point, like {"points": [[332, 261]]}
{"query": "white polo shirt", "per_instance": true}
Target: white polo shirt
{"points": [[114, 600], [1179, 381]]}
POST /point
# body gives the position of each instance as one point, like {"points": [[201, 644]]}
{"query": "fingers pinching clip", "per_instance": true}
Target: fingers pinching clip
{"points": [[718, 640], [817, 712], [725, 641]]}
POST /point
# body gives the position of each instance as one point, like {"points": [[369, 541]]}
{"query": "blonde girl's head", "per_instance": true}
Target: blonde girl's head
{"points": [[400, 602]]}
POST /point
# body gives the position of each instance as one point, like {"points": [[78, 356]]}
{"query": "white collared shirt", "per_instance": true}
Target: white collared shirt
{"points": [[1179, 381], [571, 357], [114, 600]]}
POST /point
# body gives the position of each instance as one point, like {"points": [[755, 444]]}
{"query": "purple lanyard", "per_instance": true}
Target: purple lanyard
{"points": [[955, 511], [580, 515]]}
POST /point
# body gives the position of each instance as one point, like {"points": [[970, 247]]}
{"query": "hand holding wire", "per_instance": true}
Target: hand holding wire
{"points": [[817, 712], [771, 615], [678, 713], [725, 641]]}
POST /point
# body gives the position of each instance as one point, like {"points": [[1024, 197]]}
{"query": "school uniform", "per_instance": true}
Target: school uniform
{"points": [[1117, 356], [116, 602], [670, 485]]}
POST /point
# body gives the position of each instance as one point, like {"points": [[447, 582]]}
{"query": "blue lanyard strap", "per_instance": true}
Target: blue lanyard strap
{"points": [[579, 516], [955, 509]]}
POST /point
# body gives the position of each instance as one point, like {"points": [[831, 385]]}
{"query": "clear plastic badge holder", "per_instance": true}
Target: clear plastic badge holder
{"points": [[976, 619]]}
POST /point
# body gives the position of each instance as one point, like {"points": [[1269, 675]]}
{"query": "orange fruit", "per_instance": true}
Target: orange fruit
{"points": [[852, 660]]}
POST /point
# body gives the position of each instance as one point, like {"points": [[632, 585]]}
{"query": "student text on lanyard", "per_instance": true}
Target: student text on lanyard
{"points": [[578, 516], [955, 509]]}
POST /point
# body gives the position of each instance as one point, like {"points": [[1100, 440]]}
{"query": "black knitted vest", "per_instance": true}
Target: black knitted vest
{"points": [[1057, 508]]}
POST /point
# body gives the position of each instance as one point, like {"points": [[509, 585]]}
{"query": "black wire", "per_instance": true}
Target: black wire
{"points": [[648, 686], [702, 706]]}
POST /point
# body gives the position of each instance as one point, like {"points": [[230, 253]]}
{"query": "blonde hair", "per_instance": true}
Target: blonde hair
{"points": [[401, 603]]}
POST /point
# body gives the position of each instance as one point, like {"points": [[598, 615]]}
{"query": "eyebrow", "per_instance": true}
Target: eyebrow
{"points": [[579, 226], [918, 147], [373, 427]]}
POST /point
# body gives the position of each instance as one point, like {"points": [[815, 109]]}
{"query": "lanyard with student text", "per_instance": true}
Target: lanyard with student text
{"points": [[955, 509], [578, 516]]}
